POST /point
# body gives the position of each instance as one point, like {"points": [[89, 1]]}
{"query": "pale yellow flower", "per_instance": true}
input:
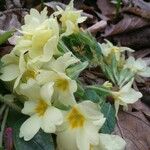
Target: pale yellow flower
{"points": [[70, 18], [40, 36], [80, 127], [109, 142], [16, 69], [126, 95], [34, 20], [139, 66], [42, 114], [108, 49]]}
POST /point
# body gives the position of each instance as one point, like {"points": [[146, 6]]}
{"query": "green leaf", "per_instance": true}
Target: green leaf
{"points": [[5, 36], [80, 90], [41, 141], [74, 71], [109, 113], [91, 95], [1, 148], [83, 46]]}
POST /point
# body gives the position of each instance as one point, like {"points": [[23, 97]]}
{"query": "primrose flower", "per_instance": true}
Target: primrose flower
{"points": [[139, 66], [108, 48], [40, 42], [126, 95], [13, 68], [17, 69], [64, 87], [42, 114], [62, 63], [33, 21], [70, 18], [80, 127], [109, 142]]}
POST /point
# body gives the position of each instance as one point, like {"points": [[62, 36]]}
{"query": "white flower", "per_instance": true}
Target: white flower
{"points": [[40, 36], [108, 48], [64, 87], [34, 20], [16, 69], [39, 108], [62, 63], [138, 66], [126, 95], [70, 18], [109, 142], [80, 127]]}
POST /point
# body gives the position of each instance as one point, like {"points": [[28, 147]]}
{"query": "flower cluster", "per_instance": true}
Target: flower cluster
{"points": [[126, 67], [38, 71]]}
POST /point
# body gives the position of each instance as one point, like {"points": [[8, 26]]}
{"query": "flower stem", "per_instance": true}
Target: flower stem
{"points": [[3, 126], [10, 104]]}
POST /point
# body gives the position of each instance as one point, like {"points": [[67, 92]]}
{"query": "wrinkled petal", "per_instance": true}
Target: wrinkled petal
{"points": [[30, 89], [29, 108], [67, 140], [145, 72], [63, 62], [131, 97], [52, 118], [111, 142], [30, 127], [46, 92], [9, 72]]}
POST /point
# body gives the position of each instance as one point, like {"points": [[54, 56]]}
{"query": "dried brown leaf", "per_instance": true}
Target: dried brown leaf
{"points": [[107, 8], [137, 39], [128, 23], [137, 7], [135, 129]]}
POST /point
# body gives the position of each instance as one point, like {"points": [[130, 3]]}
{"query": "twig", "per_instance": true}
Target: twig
{"points": [[3, 126]]}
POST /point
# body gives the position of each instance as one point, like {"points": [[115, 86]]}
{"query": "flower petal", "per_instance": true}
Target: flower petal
{"points": [[111, 142], [30, 89], [30, 127], [29, 108], [131, 97], [66, 140], [51, 119], [47, 92], [9, 72]]}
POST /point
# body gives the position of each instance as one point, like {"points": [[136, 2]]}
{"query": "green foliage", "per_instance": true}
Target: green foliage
{"points": [[74, 71], [109, 112], [116, 75], [5, 36], [118, 6], [41, 141], [83, 46]]}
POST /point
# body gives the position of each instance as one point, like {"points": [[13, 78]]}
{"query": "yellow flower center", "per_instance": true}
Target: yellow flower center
{"points": [[29, 74], [91, 147], [41, 107], [62, 84], [115, 49], [75, 118]]}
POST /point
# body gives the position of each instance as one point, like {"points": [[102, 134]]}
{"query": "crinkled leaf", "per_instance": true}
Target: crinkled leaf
{"points": [[74, 71], [109, 113]]}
